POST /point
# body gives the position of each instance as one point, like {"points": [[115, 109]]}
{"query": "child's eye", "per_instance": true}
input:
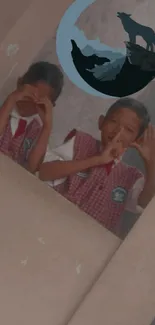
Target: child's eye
{"points": [[130, 130]]}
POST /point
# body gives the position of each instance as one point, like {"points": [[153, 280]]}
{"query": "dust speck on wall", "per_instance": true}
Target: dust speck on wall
{"points": [[41, 240], [78, 268], [12, 49], [24, 262]]}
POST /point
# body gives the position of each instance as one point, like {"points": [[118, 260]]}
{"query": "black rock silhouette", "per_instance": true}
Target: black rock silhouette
{"points": [[137, 71], [88, 62], [140, 56]]}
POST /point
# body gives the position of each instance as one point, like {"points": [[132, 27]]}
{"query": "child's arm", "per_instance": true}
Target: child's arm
{"points": [[142, 192], [149, 186], [132, 203], [146, 150], [38, 151], [5, 111], [10, 102], [58, 169]]}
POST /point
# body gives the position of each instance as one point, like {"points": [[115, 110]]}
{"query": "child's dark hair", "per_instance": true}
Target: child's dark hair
{"points": [[135, 106], [47, 72]]}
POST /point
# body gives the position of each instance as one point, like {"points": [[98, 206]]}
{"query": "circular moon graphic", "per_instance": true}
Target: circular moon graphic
{"points": [[96, 68]]}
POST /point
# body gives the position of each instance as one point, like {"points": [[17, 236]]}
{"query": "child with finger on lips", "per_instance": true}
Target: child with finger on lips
{"points": [[91, 173], [26, 115]]}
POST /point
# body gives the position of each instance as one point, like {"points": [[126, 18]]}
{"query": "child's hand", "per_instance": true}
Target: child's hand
{"points": [[25, 92], [113, 150], [146, 146], [45, 107]]}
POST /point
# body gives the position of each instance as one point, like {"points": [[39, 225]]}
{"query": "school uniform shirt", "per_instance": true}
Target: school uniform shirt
{"points": [[19, 136], [103, 192]]}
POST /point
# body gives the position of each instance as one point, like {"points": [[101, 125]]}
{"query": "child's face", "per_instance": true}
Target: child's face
{"points": [[123, 119], [27, 107]]}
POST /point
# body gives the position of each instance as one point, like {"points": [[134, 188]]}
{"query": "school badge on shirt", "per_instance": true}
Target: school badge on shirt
{"points": [[27, 144], [119, 194], [82, 174]]}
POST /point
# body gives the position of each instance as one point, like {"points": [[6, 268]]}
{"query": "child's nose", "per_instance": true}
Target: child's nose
{"points": [[117, 130]]}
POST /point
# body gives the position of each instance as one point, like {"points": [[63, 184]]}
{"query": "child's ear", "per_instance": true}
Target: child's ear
{"points": [[100, 122]]}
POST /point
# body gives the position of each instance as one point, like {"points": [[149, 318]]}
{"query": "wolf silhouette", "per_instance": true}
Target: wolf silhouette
{"points": [[135, 29], [90, 61]]}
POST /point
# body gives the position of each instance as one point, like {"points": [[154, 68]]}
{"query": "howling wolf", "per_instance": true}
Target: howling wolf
{"points": [[135, 29]]}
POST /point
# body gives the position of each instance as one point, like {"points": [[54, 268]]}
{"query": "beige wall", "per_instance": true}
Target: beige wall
{"points": [[27, 35], [125, 292], [10, 12], [51, 253]]}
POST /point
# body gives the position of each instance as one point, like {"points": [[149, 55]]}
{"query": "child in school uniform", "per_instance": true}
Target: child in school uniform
{"points": [[91, 174], [26, 115]]}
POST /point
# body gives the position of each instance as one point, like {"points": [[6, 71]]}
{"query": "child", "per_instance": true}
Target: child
{"points": [[25, 117], [91, 174]]}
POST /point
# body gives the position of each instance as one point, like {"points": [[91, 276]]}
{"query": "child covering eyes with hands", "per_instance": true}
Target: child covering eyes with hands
{"points": [[26, 115]]}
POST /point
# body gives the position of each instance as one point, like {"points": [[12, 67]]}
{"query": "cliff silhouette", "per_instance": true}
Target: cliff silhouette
{"points": [[136, 72]]}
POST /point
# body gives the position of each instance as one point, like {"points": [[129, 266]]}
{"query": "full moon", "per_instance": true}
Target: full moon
{"points": [[67, 31]]}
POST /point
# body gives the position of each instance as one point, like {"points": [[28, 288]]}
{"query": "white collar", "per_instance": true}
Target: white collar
{"points": [[15, 117], [28, 119], [116, 161]]}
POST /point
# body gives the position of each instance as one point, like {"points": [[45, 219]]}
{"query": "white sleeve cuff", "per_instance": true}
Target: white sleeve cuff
{"points": [[132, 202], [64, 152]]}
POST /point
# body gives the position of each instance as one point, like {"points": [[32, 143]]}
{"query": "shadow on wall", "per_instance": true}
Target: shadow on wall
{"points": [[132, 158], [153, 322]]}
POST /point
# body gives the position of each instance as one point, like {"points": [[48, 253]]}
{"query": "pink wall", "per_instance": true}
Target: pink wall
{"points": [[52, 254], [11, 11], [34, 26]]}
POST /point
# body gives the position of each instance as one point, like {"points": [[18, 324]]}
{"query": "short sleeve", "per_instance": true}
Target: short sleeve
{"points": [[132, 202], [64, 153], [50, 156], [70, 135]]}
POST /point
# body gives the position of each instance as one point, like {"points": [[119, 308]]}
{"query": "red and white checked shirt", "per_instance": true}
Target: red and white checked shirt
{"points": [[19, 136], [103, 192]]}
